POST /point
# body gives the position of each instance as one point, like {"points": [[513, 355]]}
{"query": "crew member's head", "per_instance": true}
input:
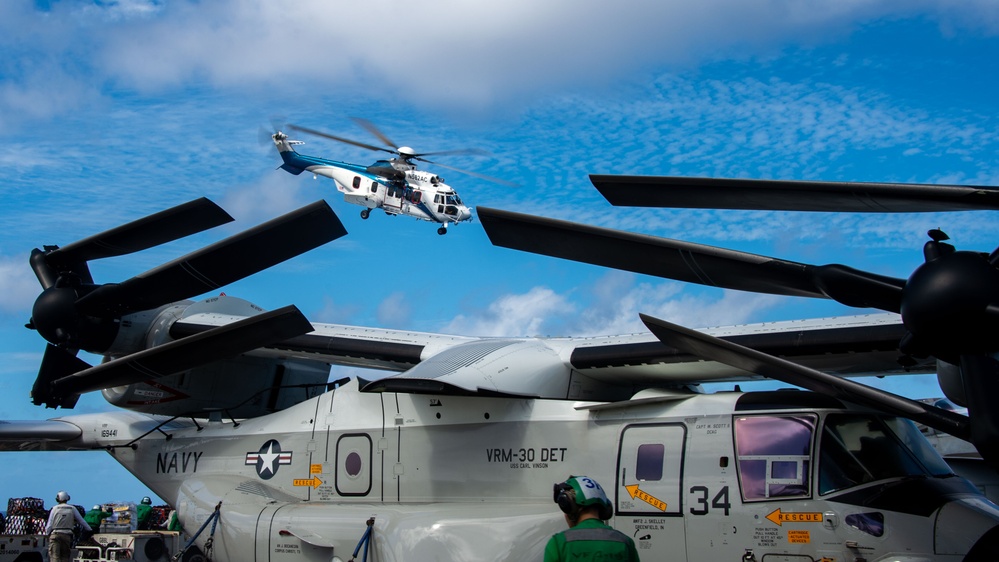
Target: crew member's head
{"points": [[581, 498], [62, 496]]}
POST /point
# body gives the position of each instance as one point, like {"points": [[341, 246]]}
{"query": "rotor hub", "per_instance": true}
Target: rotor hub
{"points": [[56, 318], [946, 300]]}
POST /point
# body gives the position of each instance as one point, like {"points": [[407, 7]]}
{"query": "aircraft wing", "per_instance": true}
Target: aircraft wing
{"points": [[41, 435], [355, 346], [590, 368]]}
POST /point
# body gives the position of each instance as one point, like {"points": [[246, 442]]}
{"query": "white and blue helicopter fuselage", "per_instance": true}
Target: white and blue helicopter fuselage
{"points": [[393, 185]]}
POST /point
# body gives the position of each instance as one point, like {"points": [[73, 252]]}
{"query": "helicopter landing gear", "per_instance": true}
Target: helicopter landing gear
{"points": [[442, 230], [365, 213]]}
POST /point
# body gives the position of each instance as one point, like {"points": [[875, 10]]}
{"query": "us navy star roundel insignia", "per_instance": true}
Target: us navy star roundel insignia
{"points": [[268, 459]]}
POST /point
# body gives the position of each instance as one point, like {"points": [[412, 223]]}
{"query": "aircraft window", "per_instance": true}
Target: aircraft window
{"points": [[773, 455], [649, 465], [857, 449], [357, 182], [415, 198], [374, 187]]}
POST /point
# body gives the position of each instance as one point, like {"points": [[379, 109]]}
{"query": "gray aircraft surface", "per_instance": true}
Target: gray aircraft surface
{"points": [[452, 454]]}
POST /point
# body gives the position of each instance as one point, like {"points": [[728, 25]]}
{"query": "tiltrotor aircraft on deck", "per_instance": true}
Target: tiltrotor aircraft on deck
{"points": [[393, 185], [226, 409]]}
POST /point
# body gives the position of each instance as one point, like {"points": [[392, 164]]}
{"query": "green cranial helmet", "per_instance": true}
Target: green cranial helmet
{"points": [[146, 501], [586, 492]]}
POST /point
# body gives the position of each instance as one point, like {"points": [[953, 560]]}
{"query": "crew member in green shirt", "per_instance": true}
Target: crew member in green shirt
{"points": [[588, 538], [95, 516], [142, 513]]}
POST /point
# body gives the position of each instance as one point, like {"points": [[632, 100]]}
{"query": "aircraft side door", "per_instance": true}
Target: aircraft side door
{"points": [[648, 499]]}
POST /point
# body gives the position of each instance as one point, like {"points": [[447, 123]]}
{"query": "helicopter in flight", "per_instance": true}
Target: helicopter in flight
{"points": [[226, 412], [394, 185]]}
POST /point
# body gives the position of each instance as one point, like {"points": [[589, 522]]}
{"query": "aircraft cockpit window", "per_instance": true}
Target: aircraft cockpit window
{"points": [[857, 449], [774, 456]]}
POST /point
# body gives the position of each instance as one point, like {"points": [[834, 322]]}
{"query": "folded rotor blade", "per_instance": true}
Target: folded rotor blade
{"points": [[57, 363], [785, 195], [217, 265], [159, 228], [715, 349], [187, 353], [689, 262]]}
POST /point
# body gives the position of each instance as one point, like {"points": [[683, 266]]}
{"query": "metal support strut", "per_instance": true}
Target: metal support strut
{"points": [[213, 519], [365, 541]]}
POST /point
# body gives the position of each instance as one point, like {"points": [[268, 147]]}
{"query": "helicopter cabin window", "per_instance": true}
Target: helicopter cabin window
{"points": [[649, 464], [357, 182], [374, 187], [414, 196], [773, 455], [859, 448]]}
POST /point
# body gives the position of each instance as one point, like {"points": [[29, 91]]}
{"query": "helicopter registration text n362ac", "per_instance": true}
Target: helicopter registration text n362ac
{"points": [[393, 185]]}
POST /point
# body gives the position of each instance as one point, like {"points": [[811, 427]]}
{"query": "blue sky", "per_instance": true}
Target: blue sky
{"points": [[113, 110]]}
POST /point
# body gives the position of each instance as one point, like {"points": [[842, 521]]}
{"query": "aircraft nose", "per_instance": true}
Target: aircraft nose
{"points": [[464, 214]]}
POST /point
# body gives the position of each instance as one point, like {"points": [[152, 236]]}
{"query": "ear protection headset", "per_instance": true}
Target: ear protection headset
{"points": [[564, 495], [565, 501]]}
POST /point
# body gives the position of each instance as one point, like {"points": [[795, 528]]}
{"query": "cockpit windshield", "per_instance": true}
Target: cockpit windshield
{"points": [[775, 453], [856, 449], [452, 199]]}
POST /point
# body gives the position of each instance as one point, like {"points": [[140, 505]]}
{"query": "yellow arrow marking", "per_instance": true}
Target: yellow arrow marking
{"points": [[778, 517], [646, 497], [315, 482]]}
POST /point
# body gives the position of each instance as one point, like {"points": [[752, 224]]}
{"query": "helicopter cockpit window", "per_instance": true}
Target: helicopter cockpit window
{"points": [[452, 199], [773, 454], [858, 448]]}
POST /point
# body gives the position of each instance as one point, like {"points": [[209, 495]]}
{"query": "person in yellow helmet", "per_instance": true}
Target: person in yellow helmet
{"points": [[586, 507]]}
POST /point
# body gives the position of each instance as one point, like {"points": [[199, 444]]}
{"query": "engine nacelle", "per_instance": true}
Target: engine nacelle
{"points": [[241, 387]]}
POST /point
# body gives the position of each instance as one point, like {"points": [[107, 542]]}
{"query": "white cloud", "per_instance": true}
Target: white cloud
{"points": [[394, 310], [441, 53], [18, 286], [527, 314], [610, 306]]}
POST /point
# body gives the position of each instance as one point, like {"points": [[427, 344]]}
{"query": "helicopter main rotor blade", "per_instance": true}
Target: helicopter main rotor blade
{"points": [[221, 263], [716, 349], [786, 195], [371, 128], [187, 353], [689, 262], [470, 173], [159, 228], [340, 139]]}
